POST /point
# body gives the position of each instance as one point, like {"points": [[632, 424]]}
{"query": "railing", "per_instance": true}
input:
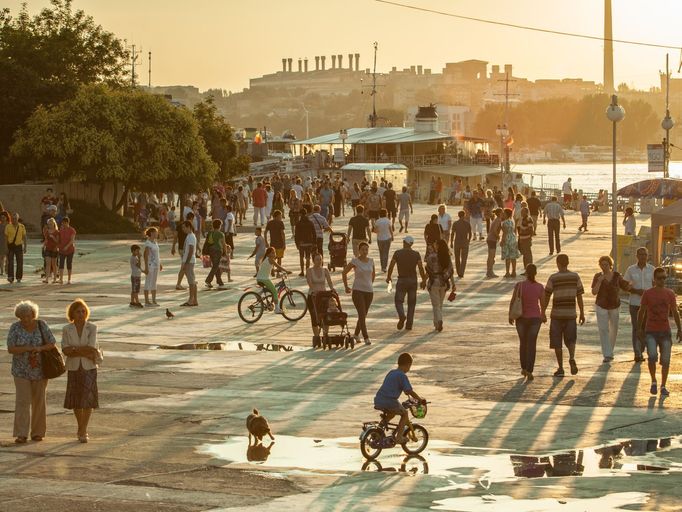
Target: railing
{"points": [[412, 161]]}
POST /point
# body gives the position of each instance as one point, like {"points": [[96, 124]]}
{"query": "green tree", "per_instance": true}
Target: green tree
{"points": [[218, 137], [127, 137], [44, 59]]}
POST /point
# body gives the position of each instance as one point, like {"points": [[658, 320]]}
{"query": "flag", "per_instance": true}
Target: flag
{"points": [[258, 139], [510, 140]]}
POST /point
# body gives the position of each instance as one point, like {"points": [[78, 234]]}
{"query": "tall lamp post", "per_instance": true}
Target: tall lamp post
{"points": [[667, 123], [615, 113], [343, 135], [502, 132]]}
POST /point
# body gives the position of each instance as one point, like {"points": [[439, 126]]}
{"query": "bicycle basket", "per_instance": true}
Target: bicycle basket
{"points": [[418, 410]]}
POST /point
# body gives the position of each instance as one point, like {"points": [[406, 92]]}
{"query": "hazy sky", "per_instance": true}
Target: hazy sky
{"points": [[223, 43]]}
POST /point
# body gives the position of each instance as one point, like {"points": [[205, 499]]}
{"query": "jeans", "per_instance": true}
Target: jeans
{"points": [[525, 245], [636, 343], [607, 321], [477, 226], [384, 248], [362, 301], [553, 227], [437, 294], [15, 251], [662, 340], [527, 329], [461, 256], [215, 255], [406, 285]]}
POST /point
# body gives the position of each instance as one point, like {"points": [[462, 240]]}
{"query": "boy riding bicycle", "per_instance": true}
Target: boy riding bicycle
{"points": [[395, 383]]}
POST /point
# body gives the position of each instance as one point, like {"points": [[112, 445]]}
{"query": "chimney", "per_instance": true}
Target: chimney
{"points": [[284, 65], [350, 61], [339, 59], [323, 58], [305, 64], [300, 65], [419, 69], [413, 70], [317, 62], [508, 69], [426, 119], [357, 62], [496, 70], [333, 61]]}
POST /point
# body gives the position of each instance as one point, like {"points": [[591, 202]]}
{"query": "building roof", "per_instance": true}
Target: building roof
{"points": [[373, 167], [383, 135]]}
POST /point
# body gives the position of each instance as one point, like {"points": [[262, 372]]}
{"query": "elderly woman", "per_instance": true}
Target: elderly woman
{"points": [[25, 340], [79, 344]]}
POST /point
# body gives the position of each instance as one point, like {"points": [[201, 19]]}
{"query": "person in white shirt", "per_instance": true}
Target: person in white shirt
{"points": [[567, 191], [641, 278], [152, 265], [270, 196], [629, 222], [384, 231], [189, 251], [445, 222], [229, 228], [297, 188]]}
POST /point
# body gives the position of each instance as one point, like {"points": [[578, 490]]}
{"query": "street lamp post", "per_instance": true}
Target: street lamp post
{"points": [[615, 113], [502, 132], [667, 123], [343, 134]]}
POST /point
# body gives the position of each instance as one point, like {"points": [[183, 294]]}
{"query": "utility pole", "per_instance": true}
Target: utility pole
{"points": [[150, 70], [503, 131], [134, 56], [373, 92], [667, 123]]}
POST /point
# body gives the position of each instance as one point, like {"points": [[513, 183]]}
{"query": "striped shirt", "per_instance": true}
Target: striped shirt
{"points": [[565, 287], [553, 210]]}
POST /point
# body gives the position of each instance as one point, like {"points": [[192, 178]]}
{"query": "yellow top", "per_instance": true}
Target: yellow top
{"points": [[10, 231]]}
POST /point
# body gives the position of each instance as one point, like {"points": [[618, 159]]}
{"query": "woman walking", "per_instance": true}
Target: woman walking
{"points": [[525, 230], [79, 344], [67, 248], [26, 339], [355, 194], [509, 245], [363, 288], [152, 266], [294, 210], [606, 285], [441, 278], [4, 220], [305, 239], [384, 232], [528, 324], [318, 278], [63, 208], [51, 249]]}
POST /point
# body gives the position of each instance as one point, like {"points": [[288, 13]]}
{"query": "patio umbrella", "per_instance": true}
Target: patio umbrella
{"points": [[662, 188]]}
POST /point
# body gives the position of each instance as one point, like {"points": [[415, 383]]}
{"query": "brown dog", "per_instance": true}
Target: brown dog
{"points": [[257, 426]]}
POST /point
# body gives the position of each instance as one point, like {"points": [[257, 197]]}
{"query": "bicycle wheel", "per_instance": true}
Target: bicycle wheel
{"points": [[250, 307], [370, 443], [416, 445], [293, 305]]}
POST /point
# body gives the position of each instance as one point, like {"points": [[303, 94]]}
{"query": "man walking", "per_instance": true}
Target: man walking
{"points": [[551, 215], [358, 230], [15, 235], [259, 198], [408, 261], [321, 225], [461, 236], [654, 327], [534, 206], [188, 262], [567, 289], [445, 221], [475, 207], [641, 278], [567, 191], [405, 202], [390, 202], [491, 240]]}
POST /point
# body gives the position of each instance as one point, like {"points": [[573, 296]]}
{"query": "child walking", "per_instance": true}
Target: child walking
{"points": [[135, 276], [259, 249]]}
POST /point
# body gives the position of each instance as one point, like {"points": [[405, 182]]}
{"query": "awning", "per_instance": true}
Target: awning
{"points": [[383, 135], [460, 171], [374, 167], [667, 188]]}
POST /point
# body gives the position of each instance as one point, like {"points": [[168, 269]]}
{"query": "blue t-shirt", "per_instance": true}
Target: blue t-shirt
{"points": [[395, 383]]}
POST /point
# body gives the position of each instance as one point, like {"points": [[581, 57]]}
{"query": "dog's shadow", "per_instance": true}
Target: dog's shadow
{"points": [[257, 452]]}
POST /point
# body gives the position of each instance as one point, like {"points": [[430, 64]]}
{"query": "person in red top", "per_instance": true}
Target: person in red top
{"points": [[67, 246], [657, 304], [51, 247], [259, 197]]}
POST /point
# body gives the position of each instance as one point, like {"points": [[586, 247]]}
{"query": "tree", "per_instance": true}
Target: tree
{"points": [[123, 136], [218, 137], [46, 58]]}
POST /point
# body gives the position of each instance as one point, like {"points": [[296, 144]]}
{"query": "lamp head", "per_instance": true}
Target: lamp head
{"points": [[667, 123], [615, 112]]}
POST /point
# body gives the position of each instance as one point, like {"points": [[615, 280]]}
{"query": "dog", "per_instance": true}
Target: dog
{"points": [[257, 426]]}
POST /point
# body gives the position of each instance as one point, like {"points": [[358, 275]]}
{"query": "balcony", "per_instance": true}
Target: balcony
{"points": [[418, 161]]}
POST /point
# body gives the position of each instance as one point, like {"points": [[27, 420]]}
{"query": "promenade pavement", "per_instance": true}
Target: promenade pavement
{"points": [[170, 434]]}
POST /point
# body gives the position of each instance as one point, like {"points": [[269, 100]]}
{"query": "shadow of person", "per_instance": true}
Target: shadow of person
{"points": [[258, 452]]}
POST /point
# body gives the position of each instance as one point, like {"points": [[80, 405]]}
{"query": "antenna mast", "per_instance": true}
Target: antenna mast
{"points": [[150, 70], [373, 117]]}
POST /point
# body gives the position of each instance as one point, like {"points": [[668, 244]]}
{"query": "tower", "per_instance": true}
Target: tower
{"points": [[608, 49]]}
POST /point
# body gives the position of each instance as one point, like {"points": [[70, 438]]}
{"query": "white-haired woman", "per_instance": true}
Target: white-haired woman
{"points": [[25, 340], [79, 344]]}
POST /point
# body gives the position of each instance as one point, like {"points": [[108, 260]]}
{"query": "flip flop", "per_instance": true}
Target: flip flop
{"points": [[185, 304]]}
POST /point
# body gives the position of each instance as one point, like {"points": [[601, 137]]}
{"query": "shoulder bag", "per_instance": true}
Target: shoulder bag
{"points": [[52, 360], [10, 245], [516, 308]]}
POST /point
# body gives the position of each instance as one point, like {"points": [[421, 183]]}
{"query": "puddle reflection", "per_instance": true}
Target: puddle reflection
{"points": [[234, 346], [412, 464]]}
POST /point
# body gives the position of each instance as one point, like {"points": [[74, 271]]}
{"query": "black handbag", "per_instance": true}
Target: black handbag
{"points": [[52, 360]]}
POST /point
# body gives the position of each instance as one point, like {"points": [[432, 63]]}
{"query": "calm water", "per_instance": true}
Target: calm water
{"points": [[591, 177]]}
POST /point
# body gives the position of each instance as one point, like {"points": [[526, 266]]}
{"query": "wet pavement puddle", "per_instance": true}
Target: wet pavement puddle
{"points": [[234, 346]]}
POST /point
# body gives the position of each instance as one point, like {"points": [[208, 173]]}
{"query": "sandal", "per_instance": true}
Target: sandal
{"points": [[20, 440], [36, 438], [185, 304]]}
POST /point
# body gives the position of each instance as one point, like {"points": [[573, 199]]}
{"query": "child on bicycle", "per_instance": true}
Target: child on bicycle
{"points": [[263, 275], [396, 383]]}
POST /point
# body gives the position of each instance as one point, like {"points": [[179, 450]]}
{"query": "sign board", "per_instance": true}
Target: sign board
{"points": [[656, 157], [339, 156]]}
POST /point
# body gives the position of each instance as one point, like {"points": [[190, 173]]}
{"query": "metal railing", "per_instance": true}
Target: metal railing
{"points": [[412, 161]]}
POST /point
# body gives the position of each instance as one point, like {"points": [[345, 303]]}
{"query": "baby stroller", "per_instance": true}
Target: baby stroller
{"points": [[338, 246], [329, 313]]}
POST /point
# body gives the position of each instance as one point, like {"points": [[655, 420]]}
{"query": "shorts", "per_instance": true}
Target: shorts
{"points": [[662, 340], [404, 214], [66, 258], [189, 274], [50, 254], [492, 245], [279, 253], [135, 284], [391, 213], [391, 405], [562, 329], [373, 214]]}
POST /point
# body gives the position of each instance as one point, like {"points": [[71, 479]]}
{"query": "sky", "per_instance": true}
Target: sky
{"points": [[223, 43]]}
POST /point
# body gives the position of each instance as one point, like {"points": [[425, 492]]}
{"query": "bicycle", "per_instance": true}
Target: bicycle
{"points": [[377, 435], [292, 303]]}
